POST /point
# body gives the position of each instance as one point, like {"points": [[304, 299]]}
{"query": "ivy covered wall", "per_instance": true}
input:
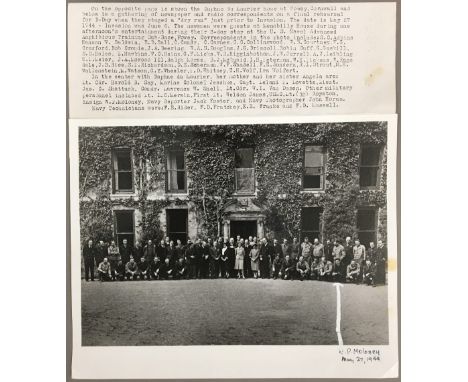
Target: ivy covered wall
{"points": [[209, 154]]}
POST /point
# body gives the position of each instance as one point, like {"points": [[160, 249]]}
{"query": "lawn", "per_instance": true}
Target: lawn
{"points": [[231, 312]]}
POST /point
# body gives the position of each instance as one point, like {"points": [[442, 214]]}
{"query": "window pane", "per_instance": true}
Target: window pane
{"points": [[244, 158], [245, 181], [368, 176], [124, 181], [123, 160], [310, 217], [177, 224], [180, 180], [180, 161], [366, 219], [370, 155], [312, 181], [124, 221], [313, 156]]}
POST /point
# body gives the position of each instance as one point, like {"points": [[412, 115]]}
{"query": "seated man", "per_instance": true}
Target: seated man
{"points": [[154, 268], [321, 268], [352, 272], [277, 266], [368, 273], [302, 268], [338, 271], [180, 269], [104, 270], [289, 268], [327, 271], [315, 269], [166, 271], [144, 268], [119, 271], [131, 269]]}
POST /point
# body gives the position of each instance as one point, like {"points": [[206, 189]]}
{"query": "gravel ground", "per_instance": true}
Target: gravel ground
{"points": [[230, 312]]}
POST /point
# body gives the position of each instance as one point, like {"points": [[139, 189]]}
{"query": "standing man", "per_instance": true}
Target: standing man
{"points": [[101, 252], [215, 254], [348, 247], [359, 252], [231, 257], [306, 250], [125, 251], [277, 249], [89, 254], [338, 251], [205, 261], [149, 252], [161, 251], [295, 249], [114, 258], [264, 260], [180, 250], [381, 262], [285, 248], [328, 250], [371, 252], [318, 249], [190, 256]]}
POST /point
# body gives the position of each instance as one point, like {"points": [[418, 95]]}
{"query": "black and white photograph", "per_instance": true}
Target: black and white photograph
{"points": [[241, 234]]}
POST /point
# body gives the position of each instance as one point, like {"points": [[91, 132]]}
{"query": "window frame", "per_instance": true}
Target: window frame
{"points": [[324, 168], [246, 192], [375, 229], [379, 166], [116, 171], [116, 226], [184, 170]]}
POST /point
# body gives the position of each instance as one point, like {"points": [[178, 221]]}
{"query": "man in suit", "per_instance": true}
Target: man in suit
{"points": [[166, 271], [338, 272], [231, 257], [381, 262], [180, 270], [289, 268], [264, 259], [348, 247], [338, 251], [161, 251], [368, 273], [191, 261], [126, 251], [318, 249], [215, 254], [89, 253], [149, 251], [328, 250], [144, 268], [285, 248], [154, 268], [101, 252], [277, 266], [277, 249], [205, 260]]}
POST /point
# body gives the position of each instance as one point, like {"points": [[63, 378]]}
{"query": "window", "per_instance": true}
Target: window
{"points": [[314, 168], [124, 227], [366, 225], [177, 224], [123, 172], [311, 223], [369, 170], [176, 175], [245, 171]]}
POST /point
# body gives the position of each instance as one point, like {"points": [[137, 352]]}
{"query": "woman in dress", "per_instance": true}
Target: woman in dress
{"points": [[239, 265], [254, 260]]}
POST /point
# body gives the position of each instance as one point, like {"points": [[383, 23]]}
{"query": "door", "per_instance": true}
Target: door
{"points": [[177, 224], [243, 228]]}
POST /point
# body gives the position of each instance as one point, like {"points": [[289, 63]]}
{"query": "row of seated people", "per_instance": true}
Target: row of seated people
{"points": [[286, 269]]}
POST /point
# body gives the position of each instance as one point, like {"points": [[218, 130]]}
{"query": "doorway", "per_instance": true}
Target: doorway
{"points": [[243, 228]]}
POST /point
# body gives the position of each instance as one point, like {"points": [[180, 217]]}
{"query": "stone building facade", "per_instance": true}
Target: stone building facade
{"points": [[283, 181]]}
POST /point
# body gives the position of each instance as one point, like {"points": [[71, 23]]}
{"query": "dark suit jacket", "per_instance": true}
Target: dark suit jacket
{"points": [[89, 254]]}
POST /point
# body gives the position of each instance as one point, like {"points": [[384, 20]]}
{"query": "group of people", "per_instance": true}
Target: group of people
{"points": [[241, 258]]}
